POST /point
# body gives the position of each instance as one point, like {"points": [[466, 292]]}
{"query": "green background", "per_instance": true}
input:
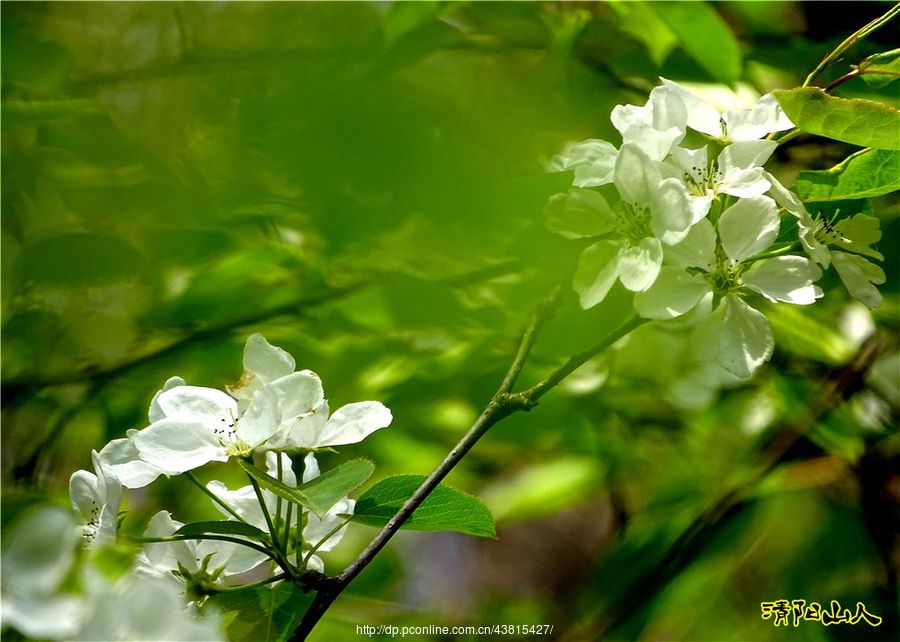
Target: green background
{"points": [[364, 185]]}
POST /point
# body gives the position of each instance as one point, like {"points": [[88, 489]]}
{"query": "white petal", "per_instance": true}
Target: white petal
{"points": [[736, 336], [693, 162], [636, 176], [38, 552], [805, 225], [301, 432], [597, 272], [299, 394], [744, 183], [748, 227], [287, 471], [698, 249], [674, 293], [83, 494], [266, 361], [785, 278], [166, 556], [262, 418], [195, 403], [639, 265], [156, 413], [178, 446], [746, 154], [593, 161], [671, 212], [700, 207], [354, 422], [701, 116], [121, 458], [655, 143], [858, 276], [765, 117], [244, 502], [310, 467], [579, 213], [45, 617], [316, 529]]}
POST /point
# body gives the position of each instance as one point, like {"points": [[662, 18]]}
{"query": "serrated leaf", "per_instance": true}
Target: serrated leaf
{"points": [[881, 69], [851, 120], [221, 528], [705, 36], [263, 612], [445, 509], [865, 174], [321, 493]]}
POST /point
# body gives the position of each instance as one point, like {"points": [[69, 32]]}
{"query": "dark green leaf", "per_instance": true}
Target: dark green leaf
{"points": [[262, 613], [321, 493], [705, 36], [868, 173], [852, 120], [221, 528], [445, 509]]}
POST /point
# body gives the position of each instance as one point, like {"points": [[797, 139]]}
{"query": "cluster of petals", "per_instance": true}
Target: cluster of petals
{"points": [[664, 189], [665, 240], [273, 407]]}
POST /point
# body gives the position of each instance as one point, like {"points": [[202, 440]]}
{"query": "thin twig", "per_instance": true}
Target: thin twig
{"points": [[502, 404]]}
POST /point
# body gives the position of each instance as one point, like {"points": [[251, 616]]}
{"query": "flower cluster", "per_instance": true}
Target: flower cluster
{"points": [[274, 410], [700, 228]]}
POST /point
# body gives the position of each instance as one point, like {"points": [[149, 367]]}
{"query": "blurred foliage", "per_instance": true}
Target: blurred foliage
{"points": [[363, 183]]}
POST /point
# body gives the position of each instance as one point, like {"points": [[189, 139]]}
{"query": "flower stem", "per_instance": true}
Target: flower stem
{"points": [[273, 532], [221, 502], [327, 537], [276, 532]]}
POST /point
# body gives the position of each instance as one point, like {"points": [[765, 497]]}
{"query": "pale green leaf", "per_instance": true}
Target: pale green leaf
{"points": [[638, 19], [705, 36], [867, 173], [321, 493], [851, 120], [445, 509]]}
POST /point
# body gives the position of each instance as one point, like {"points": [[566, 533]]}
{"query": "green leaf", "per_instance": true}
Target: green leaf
{"points": [[221, 528], [321, 493], [638, 19], [262, 613], [881, 69], [867, 173], [705, 36], [851, 120], [445, 509]]}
